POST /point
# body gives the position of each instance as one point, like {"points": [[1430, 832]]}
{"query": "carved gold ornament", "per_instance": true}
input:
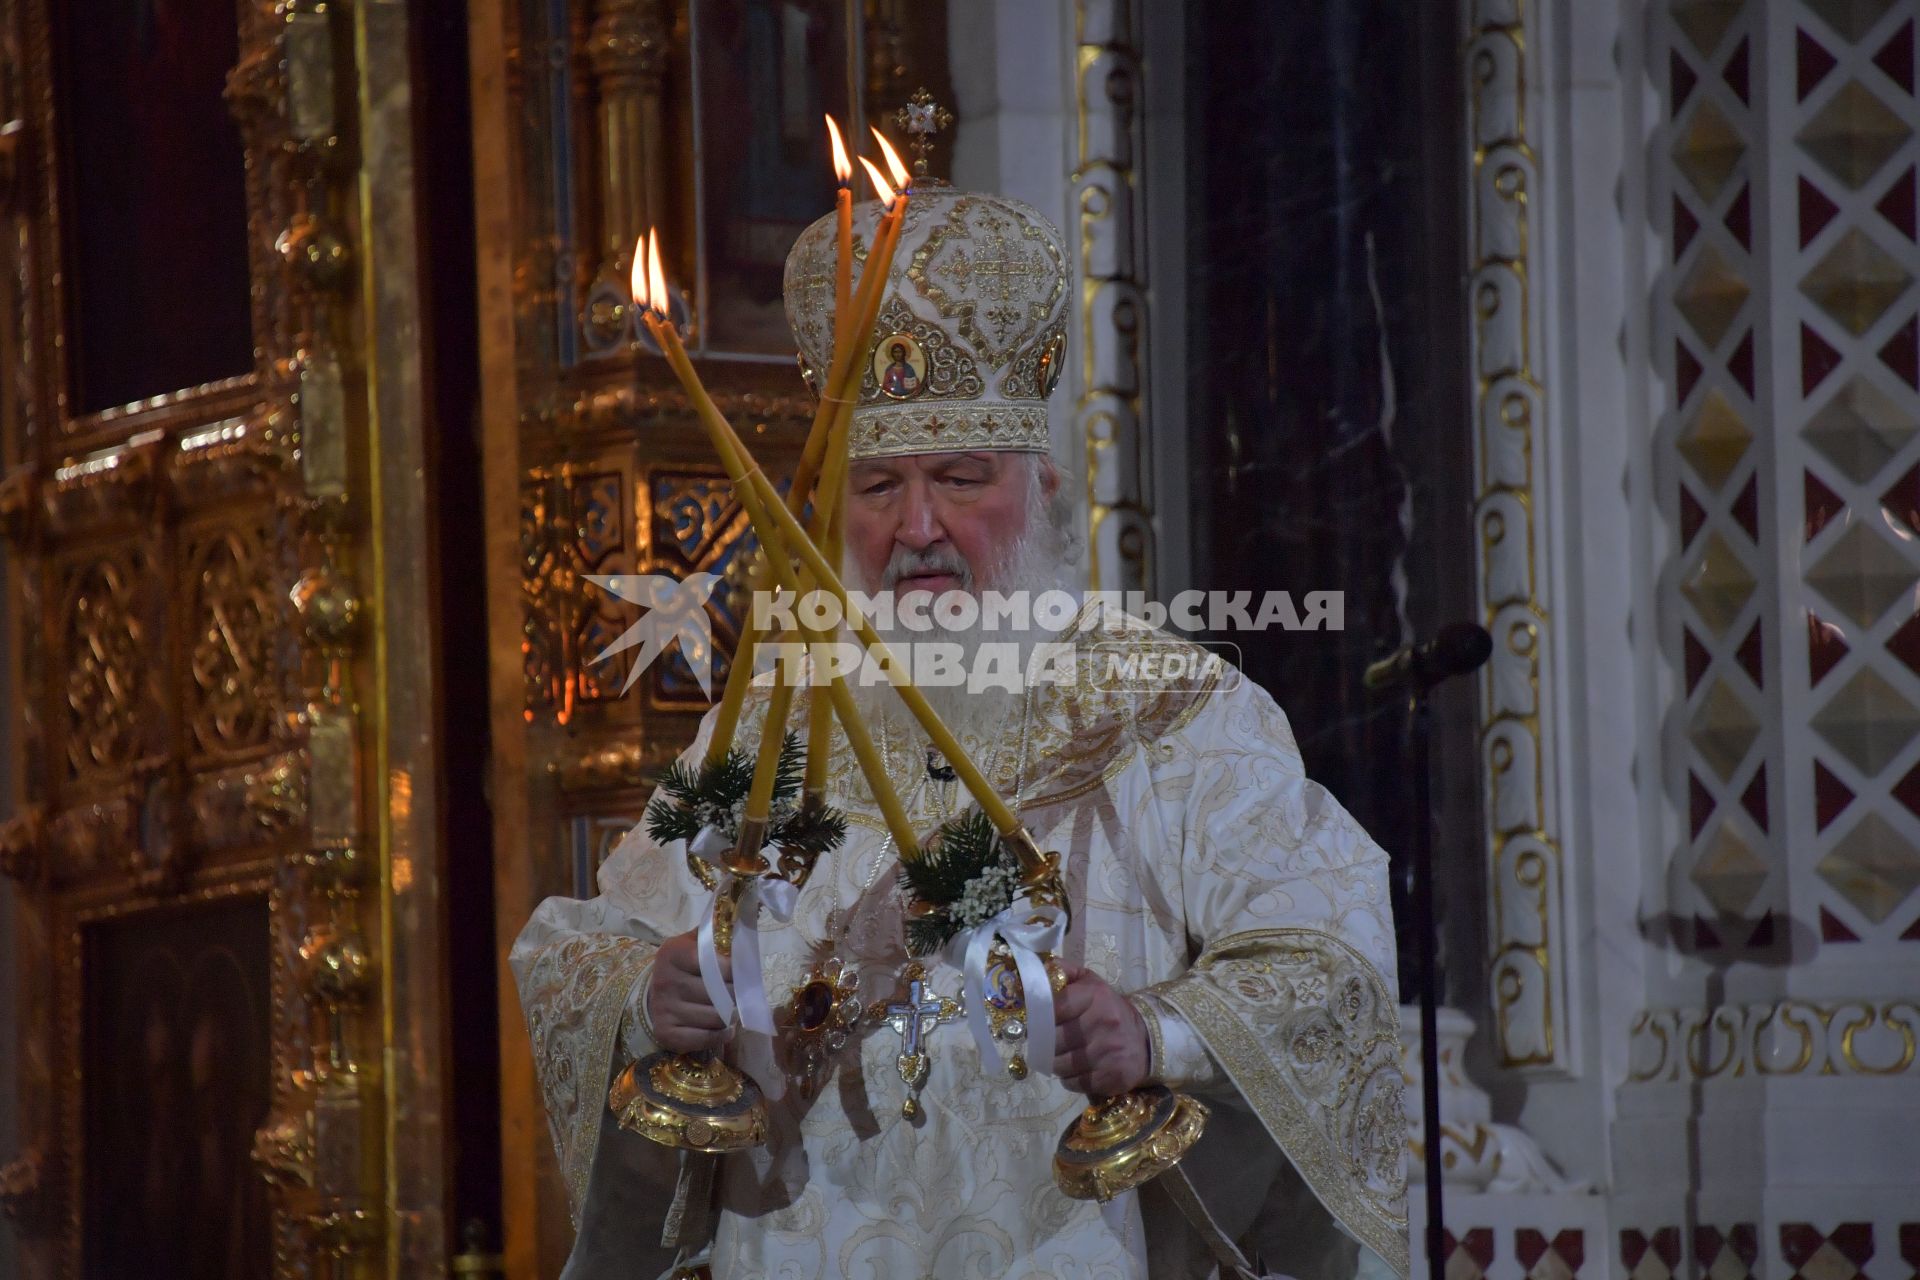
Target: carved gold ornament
{"points": [[691, 1101], [1525, 864], [1785, 1038], [1120, 1143]]}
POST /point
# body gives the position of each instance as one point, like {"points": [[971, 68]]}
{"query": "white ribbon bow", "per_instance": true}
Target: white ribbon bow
{"points": [[1028, 931], [771, 895]]}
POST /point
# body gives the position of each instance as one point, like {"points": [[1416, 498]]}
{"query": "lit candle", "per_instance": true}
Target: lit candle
{"points": [[839, 408], [841, 386], [838, 393], [650, 293], [648, 283], [902, 176], [827, 511], [780, 529], [866, 307], [820, 718], [843, 237], [844, 382]]}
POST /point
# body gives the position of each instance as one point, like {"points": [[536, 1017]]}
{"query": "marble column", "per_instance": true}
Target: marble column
{"points": [[1326, 384]]}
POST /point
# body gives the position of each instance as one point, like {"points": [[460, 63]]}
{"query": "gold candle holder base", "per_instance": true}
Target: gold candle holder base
{"points": [[692, 1101], [1121, 1142]]}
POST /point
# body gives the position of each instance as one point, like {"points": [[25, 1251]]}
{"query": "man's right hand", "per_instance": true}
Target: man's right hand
{"points": [[683, 1019]]}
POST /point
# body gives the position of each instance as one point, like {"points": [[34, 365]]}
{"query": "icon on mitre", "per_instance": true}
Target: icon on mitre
{"points": [[899, 366]]}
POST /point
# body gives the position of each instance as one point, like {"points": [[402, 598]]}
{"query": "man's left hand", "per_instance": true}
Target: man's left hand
{"points": [[1100, 1043]]}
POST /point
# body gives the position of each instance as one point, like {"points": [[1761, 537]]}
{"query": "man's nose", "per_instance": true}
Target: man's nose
{"points": [[920, 525]]}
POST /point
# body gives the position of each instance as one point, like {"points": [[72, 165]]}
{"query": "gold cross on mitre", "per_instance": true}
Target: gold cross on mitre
{"points": [[922, 117]]}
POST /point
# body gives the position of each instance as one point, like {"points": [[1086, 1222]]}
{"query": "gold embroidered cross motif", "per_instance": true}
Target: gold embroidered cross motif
{"points": [[1000, 265], [997, 280], [997, 271], [912, 1019]]}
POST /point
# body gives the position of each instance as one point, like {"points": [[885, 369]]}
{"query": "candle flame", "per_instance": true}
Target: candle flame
{"points": [[656, 278], [637, 280], [881, 187], [842, 167], [901, 176]]}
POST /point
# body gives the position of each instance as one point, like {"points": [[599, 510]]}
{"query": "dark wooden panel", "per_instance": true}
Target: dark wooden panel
{"points": [[177, 1072], [153, 183]]}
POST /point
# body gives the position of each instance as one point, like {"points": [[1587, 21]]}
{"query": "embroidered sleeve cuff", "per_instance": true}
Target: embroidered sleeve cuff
{"points": [[636, 1030], [1156, 1044], [1179, 1057]]}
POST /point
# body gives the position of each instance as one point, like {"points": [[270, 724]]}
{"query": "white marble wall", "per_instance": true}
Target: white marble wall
{"points": [[1743, 1111], [1776, 1091], [1583, 260], [1011, 64]]}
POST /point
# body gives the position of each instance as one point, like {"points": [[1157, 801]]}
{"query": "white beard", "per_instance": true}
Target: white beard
{"points": [[980, 716]]}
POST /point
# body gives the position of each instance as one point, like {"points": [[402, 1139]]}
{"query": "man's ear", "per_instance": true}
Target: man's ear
{"points": [[1049, 476]]}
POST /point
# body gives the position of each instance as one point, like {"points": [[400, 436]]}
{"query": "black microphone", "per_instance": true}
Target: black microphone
{"points": [[1459, 648]]}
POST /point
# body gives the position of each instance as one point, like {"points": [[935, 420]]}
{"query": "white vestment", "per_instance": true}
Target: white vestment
{"points": [[1203, 869]]}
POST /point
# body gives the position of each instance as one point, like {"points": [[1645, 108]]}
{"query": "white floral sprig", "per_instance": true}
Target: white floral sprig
{"points": [[964, 877], [986, 895]]}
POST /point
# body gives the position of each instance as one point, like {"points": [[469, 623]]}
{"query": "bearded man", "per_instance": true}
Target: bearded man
{"points": [[1230, 929]]}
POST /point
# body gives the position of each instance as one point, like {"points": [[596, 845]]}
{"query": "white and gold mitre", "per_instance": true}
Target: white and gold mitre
{"points": [[972, 329]]}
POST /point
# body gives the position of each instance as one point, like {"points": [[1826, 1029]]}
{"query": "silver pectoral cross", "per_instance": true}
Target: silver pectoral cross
{"points": [[912, 1019]]}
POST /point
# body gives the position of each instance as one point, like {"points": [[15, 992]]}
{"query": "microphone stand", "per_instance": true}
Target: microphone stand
{"points": [[1457, 649], [1426, 941]]}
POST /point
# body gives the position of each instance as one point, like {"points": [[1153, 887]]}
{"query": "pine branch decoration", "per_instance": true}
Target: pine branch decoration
{"points": [[790, 768], [963, 877], [927, 934], [810, 830], [715, 795], [692, 798]]}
